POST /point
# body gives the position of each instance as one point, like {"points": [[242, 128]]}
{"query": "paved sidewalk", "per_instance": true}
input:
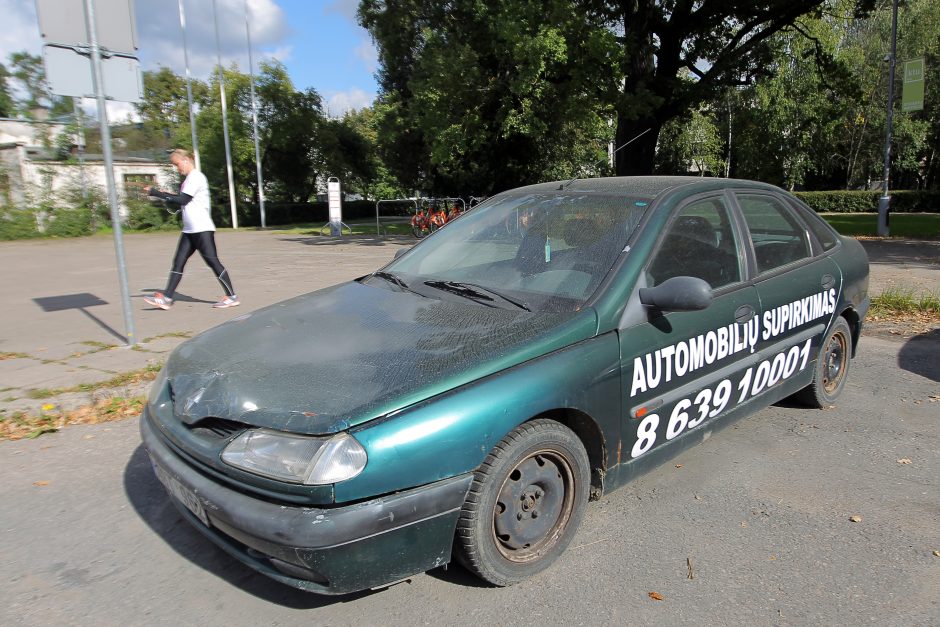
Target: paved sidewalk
{"points": [[62, 322]]}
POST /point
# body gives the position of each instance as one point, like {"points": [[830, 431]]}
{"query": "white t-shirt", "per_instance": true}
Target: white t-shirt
{"points": [[197, 216]]}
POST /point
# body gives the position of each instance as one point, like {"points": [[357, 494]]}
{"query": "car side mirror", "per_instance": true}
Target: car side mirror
{"points": [[680, 293], [401, 251]]}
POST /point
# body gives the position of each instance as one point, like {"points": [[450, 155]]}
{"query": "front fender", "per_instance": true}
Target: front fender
{"points": [[452, 433]]}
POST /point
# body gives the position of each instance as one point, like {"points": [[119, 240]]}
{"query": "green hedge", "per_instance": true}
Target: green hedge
{"points": [[862, 202], [18, 224]]}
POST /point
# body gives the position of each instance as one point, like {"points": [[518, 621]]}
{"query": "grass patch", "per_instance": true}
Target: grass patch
{"points": [[898, 301], [180, 334], [5, 356], [125, 378], [20, 425], [910, 225]]}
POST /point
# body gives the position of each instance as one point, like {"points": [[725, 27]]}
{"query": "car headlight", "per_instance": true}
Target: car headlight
{"points": [[296, 458]]}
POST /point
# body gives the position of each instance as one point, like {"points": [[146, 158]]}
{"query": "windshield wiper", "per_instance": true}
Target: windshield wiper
{"points": [[474, 292], [392, 278]]}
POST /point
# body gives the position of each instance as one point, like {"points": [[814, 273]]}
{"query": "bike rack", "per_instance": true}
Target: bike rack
{"points": [[378, 225]]}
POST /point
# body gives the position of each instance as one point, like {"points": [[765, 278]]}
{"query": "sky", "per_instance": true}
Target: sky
{"points": [[319, 41]]}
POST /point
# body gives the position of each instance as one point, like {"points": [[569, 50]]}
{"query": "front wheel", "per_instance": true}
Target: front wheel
{"points": [[525, 504], [831, 368]]}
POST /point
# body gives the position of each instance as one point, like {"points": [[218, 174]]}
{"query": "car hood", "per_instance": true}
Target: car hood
{"points": [[335, 358]]}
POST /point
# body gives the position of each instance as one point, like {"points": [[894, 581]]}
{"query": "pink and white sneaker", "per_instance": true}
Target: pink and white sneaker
{"points": [[228, 301], [159, 300]]}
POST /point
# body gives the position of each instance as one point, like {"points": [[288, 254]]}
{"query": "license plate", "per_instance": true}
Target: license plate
{"points": [[181, 493]]}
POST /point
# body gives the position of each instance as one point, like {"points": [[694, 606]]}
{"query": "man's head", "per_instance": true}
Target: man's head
{"points": [[182, 160]]}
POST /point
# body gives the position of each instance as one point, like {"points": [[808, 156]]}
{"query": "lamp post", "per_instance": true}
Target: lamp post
{"points": [[885, 201], [228, 150]]}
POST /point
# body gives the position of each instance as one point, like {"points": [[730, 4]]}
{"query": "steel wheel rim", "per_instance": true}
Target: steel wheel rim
{"points": [[835, 357], [533, 506]]}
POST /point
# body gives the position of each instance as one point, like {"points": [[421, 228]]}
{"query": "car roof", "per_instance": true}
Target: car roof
{"points": [[645, 186]]}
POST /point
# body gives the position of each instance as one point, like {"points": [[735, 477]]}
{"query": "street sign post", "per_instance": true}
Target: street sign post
{"points": [[74, 54]]}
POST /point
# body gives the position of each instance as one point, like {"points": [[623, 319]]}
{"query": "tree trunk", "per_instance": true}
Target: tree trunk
{"points": [[636, 159]]}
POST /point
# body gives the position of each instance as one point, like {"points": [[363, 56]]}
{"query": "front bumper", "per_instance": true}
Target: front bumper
{"points": [[330, 550]]}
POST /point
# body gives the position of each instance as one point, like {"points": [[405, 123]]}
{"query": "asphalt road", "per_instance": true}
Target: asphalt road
{"points": [[752, 527]]}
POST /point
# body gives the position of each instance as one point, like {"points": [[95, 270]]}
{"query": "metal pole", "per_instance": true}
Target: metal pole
{"points": [[884, 202], [98, 82], [228, 150], [189, 88], [254, 119]]}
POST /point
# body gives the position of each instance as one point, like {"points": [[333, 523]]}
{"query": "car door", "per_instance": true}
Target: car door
{"points": [[678, 367], [798, 287]]}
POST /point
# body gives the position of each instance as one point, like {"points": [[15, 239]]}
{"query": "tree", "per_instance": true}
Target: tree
{"points": [[539, 72], [479, 97], [164, 109], [27, 69], [7, 106]]}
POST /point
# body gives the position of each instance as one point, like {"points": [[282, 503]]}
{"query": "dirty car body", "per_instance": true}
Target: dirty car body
{"points": [[469, 398]]}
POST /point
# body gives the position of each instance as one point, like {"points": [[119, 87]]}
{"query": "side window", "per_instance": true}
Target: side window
{"points": [[779, 239], [700, 242]]}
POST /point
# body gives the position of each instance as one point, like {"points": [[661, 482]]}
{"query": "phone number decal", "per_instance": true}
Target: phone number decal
{"points": [[711, 401]]}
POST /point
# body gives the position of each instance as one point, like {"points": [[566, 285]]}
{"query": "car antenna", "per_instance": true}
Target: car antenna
{"points": [[624, 145]]}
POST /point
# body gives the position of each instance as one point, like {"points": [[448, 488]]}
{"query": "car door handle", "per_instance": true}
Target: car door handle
{"points": [[743, 313], [828, 281]]}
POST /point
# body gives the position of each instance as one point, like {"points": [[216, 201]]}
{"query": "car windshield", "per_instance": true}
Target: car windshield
{"points": [[545, 251]]}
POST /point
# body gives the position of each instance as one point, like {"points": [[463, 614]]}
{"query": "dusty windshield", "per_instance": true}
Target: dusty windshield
{"points": [[545, 251]]}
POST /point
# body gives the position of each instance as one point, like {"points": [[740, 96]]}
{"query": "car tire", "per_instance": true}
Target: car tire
{"points": [[525, 504], [831, 368]]}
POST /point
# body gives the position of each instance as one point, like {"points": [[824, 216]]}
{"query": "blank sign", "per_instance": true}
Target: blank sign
{"points": [[69, 74]]}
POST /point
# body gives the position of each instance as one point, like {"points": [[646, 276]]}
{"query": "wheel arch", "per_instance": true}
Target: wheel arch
{"points": [[854, 320], [591, 436]]}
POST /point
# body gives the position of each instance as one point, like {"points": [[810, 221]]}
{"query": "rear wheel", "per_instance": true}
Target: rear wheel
{"points": [[525, 504], [419, 226], [832, 367]]}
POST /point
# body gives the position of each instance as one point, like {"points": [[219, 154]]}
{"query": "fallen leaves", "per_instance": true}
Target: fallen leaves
{"points": [[855, 518], [21, 425], [656, 596], [40, 484], [936, 553], [688, 562], [905, 461]]}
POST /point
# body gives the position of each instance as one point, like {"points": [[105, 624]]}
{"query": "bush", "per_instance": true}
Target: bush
{"points": [[862, 202], [18, 224], [145, 216], [63, 222]]}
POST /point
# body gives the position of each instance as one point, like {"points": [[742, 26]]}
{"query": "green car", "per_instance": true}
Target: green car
{"points": [[469, 399]]}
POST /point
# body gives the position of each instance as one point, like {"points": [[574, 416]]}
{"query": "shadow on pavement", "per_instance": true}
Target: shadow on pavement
{"points": [[911, 253], [314, 239], [154, 507], [80, 302], [919, 355]]}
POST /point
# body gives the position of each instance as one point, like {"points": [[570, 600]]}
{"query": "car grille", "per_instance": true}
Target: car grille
{"points": [[215, 429]]}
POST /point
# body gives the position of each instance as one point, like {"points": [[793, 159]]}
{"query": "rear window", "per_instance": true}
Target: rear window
{"points": [[826, 235]]}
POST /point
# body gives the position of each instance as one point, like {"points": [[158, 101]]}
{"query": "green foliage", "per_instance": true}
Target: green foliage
{"points": [[18, 224], [145, 216], [69, 222], [857, 201]]}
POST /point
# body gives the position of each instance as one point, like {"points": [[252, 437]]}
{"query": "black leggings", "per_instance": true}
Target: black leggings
{"points": [[189, 243]]}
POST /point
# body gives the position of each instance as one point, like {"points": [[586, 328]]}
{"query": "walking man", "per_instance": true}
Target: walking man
{"points": [[198, 232]]}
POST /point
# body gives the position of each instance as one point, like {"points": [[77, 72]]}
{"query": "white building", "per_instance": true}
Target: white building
{"points": [[31, 172]]}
